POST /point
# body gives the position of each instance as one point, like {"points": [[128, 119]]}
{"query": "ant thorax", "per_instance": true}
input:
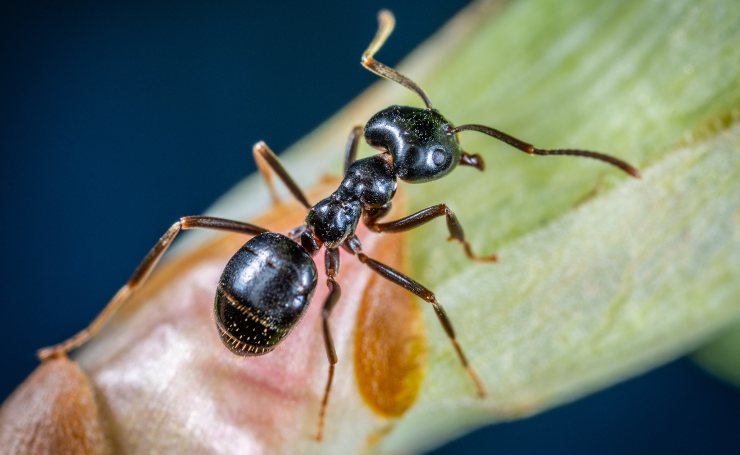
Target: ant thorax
{"points": [[369, 183]]}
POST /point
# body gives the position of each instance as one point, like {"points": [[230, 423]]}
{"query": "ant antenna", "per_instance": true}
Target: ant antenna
{"points": [[386, 22], [532, 150]]}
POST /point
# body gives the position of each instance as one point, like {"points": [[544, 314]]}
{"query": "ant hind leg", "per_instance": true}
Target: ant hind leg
{"points": [[332, 268], [408, 283], [142, 272]]}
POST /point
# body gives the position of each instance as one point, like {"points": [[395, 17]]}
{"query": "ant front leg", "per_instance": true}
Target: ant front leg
{"points": [[396, 277], [331, 259], [142, 272], [350, 151], [423, 216], [267, 163]]}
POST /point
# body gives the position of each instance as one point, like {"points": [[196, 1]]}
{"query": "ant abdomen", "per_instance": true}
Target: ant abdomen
{"points": [[263, 292]]}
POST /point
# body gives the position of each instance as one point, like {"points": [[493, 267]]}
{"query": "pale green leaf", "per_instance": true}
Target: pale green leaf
{"points": [[601, 276], [722, 356]]}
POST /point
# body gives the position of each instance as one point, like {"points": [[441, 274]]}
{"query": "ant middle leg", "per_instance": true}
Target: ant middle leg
{"points": [[423, 216], [142, 272], [331, 258], [408, 283], [267, 163]]}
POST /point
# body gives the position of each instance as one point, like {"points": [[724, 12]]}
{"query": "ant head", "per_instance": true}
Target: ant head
{"points": [[422, 143]]}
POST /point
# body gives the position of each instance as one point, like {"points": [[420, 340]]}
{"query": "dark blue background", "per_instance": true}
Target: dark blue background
{"points": [[118, 119]]}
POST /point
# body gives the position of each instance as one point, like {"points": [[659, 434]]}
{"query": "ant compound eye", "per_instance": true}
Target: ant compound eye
{"points": [[438, 157]]}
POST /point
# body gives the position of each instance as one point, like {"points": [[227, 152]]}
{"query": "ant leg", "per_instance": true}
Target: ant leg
{"points": [[371, 215], [142, 272], [423, 216], [386, 22], [267, 163], [331, 258], [409, 284], [350, 152]]}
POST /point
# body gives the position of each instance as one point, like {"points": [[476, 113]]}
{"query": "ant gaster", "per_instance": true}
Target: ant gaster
{"points": [[267, 285]]}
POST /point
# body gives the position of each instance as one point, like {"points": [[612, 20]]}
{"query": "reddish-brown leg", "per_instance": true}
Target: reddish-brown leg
{"points": [[142, 272], [350, 152], [332, 268], [267, 163], [423, 216], [396, 277]]}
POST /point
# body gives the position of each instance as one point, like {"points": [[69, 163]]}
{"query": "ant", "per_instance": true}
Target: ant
{"points": [[267, 285]]}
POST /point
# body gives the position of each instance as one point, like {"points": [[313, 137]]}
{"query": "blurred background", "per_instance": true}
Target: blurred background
{"points": [[117, 119]]}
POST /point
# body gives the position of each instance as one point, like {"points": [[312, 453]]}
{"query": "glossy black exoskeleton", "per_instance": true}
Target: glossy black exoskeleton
{"points": [[422, 143], [264, 290], [267, 285], [368, 184]]}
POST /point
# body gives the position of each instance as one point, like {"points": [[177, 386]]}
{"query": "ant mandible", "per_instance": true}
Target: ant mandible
{"points": [[267, 285]]}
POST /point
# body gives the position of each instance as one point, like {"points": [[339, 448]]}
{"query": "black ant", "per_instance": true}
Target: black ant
{"points": [[267, 285]]}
